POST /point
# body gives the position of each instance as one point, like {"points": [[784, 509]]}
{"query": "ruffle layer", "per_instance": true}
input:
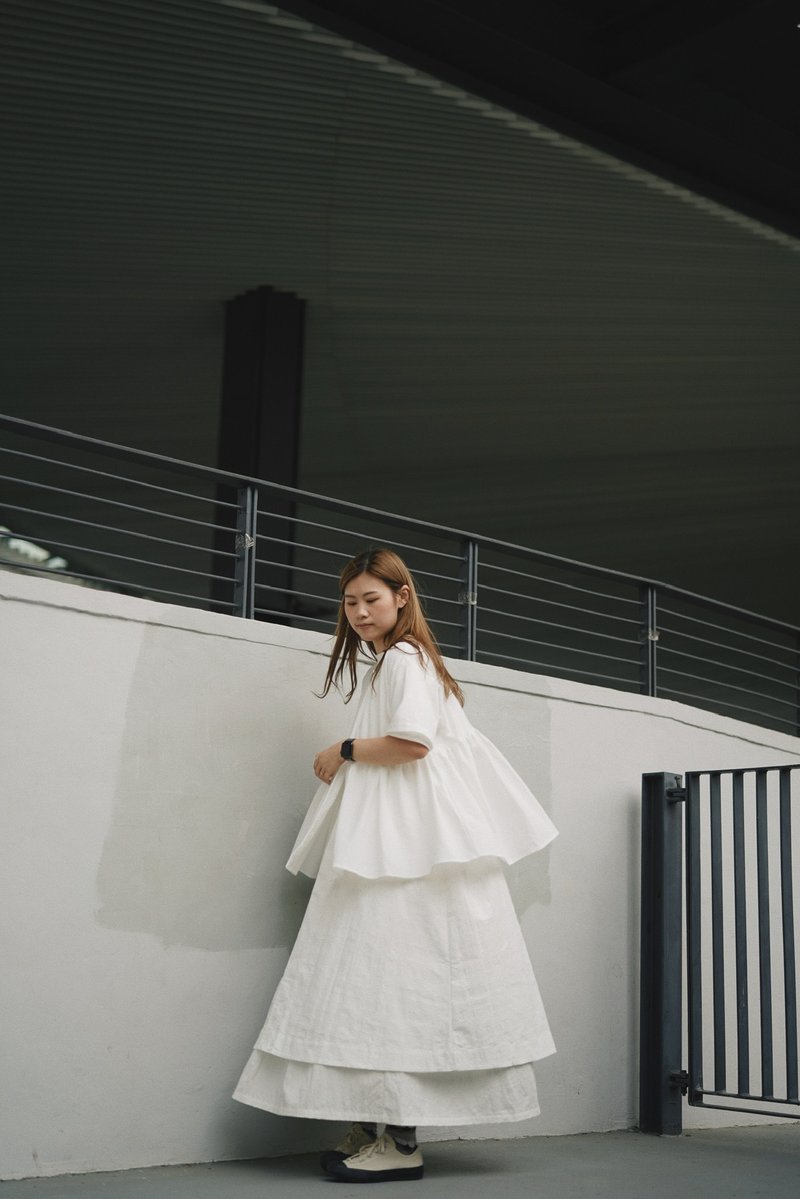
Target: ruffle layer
{"points": [[461, 802], [320, 1092]]}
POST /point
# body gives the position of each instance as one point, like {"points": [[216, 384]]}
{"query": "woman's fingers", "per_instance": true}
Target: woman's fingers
{"points": [[321, 772], [326, 764]]}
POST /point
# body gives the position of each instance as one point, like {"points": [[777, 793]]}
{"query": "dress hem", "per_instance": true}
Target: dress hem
{"points": [[405, 1118], [504, 858], [430, 1063]]}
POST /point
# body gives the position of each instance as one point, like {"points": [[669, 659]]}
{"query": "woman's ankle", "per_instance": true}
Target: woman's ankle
{"points": [[403, 1135]]}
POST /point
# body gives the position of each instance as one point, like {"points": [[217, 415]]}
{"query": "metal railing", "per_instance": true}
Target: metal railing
{"points": [[737, 829], [179, 532]]}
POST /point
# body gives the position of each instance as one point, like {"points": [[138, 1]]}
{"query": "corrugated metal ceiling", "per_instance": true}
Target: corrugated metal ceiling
{"points": [[533, 330]]}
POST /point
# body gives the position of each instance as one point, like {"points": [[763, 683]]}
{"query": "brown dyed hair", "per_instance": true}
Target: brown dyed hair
{"points": [[411, 624]]}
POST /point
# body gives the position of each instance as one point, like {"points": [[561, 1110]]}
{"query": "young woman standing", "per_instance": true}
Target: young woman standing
{"points": [[409, 997]]}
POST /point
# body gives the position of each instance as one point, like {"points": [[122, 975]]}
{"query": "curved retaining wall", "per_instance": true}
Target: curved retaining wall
{"points": [[156, 768]]}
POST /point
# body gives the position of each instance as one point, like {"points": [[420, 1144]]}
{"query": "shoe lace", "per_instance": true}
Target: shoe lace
{"points": [[352, 1139], [379, 1145]]}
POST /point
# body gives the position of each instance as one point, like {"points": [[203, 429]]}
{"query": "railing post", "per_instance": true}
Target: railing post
{"points": [[468, 598], [648, 640], [661, 983], [245, 577]]}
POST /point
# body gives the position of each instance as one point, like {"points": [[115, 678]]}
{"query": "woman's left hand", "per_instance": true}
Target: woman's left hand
{"points": [[327, 762]]}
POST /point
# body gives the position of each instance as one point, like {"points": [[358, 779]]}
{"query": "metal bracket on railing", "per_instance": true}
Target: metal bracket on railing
{"points": [[244, 541], [653, 635], [468, 597]]}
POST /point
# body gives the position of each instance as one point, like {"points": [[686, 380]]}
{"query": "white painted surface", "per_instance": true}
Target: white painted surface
{"points": [[156, 767]]}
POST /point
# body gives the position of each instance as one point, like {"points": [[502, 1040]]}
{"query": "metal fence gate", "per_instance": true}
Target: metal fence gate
{"points": [[737, 1014]]}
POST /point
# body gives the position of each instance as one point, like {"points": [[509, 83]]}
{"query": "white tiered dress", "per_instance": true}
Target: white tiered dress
{"points": [[409, 996]]}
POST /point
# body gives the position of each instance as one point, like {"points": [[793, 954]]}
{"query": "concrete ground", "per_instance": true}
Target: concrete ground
{"points": [[722, 1163]]}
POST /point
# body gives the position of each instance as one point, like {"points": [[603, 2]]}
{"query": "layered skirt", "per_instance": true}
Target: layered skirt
{"points": [[405, 1000]]}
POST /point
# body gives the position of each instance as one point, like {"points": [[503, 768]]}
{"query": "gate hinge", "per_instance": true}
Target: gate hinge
{"points": [[676, 794], [244, 541], [680, 1078], [468, 597]]}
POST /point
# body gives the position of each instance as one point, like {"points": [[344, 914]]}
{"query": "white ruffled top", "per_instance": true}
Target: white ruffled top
{"points": [[462, 801]]}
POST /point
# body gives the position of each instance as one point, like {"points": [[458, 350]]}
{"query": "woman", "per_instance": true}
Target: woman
{"points": [[409, 997]]}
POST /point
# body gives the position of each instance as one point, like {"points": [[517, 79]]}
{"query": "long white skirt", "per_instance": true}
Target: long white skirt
{"points": [[405, 1001]]}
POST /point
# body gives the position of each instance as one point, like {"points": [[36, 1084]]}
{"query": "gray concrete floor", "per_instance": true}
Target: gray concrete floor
{"points": [[704, 1164]]}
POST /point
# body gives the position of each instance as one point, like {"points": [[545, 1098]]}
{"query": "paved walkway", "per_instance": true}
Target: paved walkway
{"points": [[730, 1163]]}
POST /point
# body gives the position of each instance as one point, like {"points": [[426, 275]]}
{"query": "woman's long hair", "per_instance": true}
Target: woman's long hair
{"points": [[411, 625]]}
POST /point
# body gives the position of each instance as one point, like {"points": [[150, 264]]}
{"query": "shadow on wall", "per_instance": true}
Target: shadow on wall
{"points": [[214, 778], [202, 823]]}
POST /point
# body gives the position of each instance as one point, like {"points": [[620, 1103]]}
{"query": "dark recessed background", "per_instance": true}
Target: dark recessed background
{"points": [[505, 333]]}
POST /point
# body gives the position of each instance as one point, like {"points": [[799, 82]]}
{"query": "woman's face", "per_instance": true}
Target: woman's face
{"points": [[371, 607]]}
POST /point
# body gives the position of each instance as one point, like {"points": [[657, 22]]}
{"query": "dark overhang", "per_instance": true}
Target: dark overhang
{"points": [[703, 92]]}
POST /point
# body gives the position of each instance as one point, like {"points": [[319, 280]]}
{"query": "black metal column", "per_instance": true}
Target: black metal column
{"points": [[660, 1104], [694, 937], [259, 432]]}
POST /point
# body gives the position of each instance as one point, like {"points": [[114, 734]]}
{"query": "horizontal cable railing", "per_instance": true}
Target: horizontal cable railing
{"points": [[178, 532]]}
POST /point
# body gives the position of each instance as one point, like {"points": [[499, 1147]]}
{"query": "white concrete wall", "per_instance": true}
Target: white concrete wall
{"points": [[156, 767]]}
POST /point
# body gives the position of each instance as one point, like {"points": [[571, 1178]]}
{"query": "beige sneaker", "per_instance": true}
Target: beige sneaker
{"points": [[381, 1161], [355, 1139]]}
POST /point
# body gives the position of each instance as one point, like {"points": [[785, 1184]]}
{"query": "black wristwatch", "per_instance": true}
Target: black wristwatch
{"points": [[347, 750]]}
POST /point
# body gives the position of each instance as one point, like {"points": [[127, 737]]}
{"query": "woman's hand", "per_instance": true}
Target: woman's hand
{"points": [[376, 751], [327, 762]]}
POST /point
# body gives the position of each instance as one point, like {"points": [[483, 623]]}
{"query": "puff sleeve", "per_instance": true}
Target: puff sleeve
{"points": [[414, 696]]}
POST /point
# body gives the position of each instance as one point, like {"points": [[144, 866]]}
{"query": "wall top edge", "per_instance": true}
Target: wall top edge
{"points": [[56, 593]]}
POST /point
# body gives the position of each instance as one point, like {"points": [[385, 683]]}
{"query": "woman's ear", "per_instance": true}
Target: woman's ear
{"points": [[404, 594]]}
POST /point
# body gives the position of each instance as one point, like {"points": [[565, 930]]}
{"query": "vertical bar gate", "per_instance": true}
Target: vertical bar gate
{"points": [[739, 833]]}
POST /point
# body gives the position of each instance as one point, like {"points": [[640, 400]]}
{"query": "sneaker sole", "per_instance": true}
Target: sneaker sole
{"points": [[346, 1174], [330, 1156]]}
